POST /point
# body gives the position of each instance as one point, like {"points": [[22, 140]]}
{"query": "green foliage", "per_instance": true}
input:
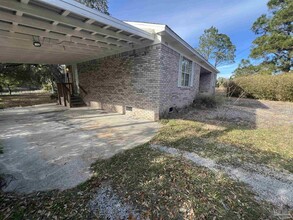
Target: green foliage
{"points": [[14, 75], [216, 47], [100, 5], [246, 68], [274, 87], [275, 43]]}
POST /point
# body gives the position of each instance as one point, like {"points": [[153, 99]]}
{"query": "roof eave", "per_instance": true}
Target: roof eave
{"points": [[171, 33], [78, 8]]}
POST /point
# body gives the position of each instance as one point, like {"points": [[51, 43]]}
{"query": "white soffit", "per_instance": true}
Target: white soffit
{"points": [[175, 41], [68, 31]]}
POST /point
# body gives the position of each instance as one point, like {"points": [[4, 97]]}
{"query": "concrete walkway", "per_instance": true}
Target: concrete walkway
{"points": [[52, 147]]}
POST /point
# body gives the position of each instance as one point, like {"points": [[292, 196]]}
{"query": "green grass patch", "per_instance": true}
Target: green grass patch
{"points": [[165, 187], [231, 144]]}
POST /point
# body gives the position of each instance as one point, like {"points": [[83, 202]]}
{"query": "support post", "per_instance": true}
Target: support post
{"points": [[75, 78]]}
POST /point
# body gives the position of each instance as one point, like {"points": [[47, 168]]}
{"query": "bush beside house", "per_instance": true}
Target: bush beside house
{"points": [[270, 87]]}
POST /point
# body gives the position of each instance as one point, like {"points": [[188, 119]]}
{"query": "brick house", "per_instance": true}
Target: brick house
{"points": [[148, 82], [139, 69]]}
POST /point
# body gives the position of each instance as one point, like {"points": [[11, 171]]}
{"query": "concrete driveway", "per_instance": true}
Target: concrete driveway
{"points": [[52, 147]]}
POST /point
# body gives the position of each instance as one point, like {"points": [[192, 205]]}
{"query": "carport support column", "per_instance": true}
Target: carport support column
{"points": [[75, 78]]}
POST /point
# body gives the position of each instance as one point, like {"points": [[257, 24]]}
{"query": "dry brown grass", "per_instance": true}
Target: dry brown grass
{"points": [[24, 99], [240, 130], [165, 187]]}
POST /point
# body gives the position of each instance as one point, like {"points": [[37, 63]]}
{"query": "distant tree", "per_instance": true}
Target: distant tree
{"points": [[43, 76], [12, 75], [247, 68], [275, 41], [216, 47], [221, 81], [15, 75], [100, 5]]}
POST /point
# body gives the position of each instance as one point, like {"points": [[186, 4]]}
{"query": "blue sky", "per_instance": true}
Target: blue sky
{"points": [[189, 18]]}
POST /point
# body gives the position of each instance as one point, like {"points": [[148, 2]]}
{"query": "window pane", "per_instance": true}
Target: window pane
{"points": [[187, 79], [183, 66], [182, 79], [189, 67]]}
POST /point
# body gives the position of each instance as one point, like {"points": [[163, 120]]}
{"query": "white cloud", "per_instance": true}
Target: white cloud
{"points": [[229, 66], [227, 70]]}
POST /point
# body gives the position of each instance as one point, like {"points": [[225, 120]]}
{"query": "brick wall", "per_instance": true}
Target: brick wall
{"points": [[128, 79], [144, 79], [170, 94], [207, 83]]}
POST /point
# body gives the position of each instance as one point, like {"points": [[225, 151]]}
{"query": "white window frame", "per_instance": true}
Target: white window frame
{"points": [[181, 81]]}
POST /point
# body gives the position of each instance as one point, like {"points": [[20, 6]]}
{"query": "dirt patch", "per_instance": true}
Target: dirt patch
{"points": [[25, 99], [107, 204], [245, 112]]}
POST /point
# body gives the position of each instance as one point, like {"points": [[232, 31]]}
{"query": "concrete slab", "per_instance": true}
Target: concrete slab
{"points": [[51, 147]]}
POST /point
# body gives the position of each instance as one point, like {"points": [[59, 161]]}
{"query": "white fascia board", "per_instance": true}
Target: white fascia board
{"points": [[170, 32], [161, 29], [77, 8], [149, 27]]}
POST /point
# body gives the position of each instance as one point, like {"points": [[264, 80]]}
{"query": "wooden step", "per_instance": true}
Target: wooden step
{"points": [[77, 101]]}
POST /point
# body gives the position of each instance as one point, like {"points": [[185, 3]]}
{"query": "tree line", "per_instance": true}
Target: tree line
{"points": [[273, 45]]}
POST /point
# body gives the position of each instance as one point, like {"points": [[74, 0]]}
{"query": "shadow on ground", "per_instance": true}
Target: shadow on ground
{"points": [[237, 131], [51, 147]]}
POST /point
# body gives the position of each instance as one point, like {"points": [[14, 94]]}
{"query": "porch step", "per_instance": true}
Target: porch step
{"points": [[77, 101]]}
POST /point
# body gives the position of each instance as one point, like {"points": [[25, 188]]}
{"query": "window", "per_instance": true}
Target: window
{"points": [[185, 72]]}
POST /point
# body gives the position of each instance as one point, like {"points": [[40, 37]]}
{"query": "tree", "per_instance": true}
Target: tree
{"points": [[246, 68], [221, 81], [14, 75], [100, 5], [275, 41], [216, 47]]}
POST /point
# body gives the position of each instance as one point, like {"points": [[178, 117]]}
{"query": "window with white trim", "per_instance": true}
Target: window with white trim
{"points": [[185, 72]]}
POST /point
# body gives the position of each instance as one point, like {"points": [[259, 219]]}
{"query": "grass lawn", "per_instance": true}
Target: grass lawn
{"points": [[231, 144], [164, 187], [160, 186], [24, 99]]}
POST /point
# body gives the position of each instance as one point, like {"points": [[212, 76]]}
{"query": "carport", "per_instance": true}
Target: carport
{"points": [[63, 32], [50, 146]]}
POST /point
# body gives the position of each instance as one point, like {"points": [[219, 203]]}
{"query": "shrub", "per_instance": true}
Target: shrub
{"points": [[270, 87], [205, 101]]}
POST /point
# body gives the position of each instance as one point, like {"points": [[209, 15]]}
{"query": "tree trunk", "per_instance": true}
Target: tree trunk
{"points": [[9, 89]]}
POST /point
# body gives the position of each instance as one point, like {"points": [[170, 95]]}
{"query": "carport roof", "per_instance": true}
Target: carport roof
{"points": [[68, 31]]}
